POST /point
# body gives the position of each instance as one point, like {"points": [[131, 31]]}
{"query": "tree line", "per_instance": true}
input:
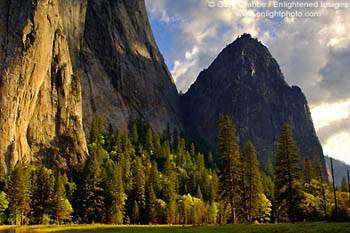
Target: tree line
{"points": [[140, 177]]}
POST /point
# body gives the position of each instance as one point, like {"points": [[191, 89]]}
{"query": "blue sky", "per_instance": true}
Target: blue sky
{"points": [[313, 52]]}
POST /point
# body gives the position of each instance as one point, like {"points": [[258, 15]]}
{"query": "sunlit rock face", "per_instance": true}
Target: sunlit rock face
{"points": [[40, 96], [246, 83]]}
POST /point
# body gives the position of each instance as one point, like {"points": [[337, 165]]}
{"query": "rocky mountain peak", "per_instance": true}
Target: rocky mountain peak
{"points": [[245, 61], [246, 83]]}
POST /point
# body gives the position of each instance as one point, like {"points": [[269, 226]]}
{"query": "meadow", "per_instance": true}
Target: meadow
{"points": [[275, 228]]}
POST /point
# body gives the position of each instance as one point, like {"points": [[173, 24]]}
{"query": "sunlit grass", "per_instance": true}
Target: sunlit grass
{"points": [[276, 228]]}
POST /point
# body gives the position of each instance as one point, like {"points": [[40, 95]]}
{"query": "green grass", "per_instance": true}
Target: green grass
{"points": [[277, 228]]}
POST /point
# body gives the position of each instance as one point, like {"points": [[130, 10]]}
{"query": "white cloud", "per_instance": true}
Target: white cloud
{"points": [[338, 145], [324, 114]]}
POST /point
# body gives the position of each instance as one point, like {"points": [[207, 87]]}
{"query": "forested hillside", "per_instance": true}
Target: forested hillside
{"points": [[141, 177]]}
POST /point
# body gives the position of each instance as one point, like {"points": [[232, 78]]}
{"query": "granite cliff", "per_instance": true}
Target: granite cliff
{"points": [[64, 62], [40, 97], [123, 74], [246, 83]]}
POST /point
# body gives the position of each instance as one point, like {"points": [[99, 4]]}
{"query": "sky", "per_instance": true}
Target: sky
{"points": [[310, 40]]}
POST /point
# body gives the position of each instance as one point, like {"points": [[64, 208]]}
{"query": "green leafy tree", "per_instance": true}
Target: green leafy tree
{"points": [[61, 207], [229, 161], [287, 177]]}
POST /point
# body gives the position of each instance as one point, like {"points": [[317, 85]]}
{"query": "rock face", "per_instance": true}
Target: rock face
{"points": [[57, 56], [123, 74], [40, 97], [246, 83]]}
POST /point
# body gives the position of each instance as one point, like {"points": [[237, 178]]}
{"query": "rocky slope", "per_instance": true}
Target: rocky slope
{"points": [[40, 97], [246, 83], [123, 74]]}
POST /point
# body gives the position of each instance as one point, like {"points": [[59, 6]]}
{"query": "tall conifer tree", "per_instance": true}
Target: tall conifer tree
{"points": [[19, 193], [253, 183], [287, 176], [228, 152]]}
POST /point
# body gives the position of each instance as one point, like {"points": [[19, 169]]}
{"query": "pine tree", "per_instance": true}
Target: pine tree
{"points": [[268, 180], [199, 193], [4, 204], [115, 197], [135, 213], [139, 182], [127, 155], [61, 208], [214, 187], [135, 134], [269, 169], [171, 212], [169, 181], [344, 185], [42, 189], [119, 196], [308, 171], [149, 141], [210, 159], [154, 178], [19, 193], [2, 178], [252, 182], [318, 168], [92, 192], [213, 213], [287, 176], [151, 205], [96, 129], [169, 190], [320, 177], [229, 159], [157, 147]]}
